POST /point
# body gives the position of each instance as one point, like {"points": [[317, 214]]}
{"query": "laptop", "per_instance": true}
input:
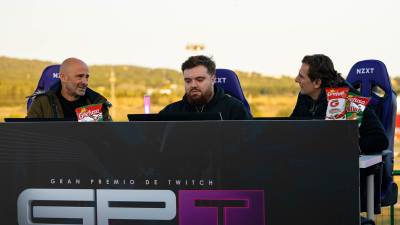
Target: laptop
{"points": [[17, 120], [189, 116]]}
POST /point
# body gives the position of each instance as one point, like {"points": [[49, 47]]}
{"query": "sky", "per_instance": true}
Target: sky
{"points": [[270, 37]]}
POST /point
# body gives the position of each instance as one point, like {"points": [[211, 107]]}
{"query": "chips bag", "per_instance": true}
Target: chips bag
{"points": [[90, 113], [336, 97], [355, 107]]}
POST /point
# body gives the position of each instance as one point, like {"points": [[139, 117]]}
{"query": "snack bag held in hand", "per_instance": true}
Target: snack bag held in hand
{"points": [[336, 97], [355, 107], [90, 113]]}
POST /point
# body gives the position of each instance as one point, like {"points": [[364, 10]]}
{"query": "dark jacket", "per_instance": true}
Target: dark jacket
{"points": [[230, 107], [48, 105], [372, 135]]}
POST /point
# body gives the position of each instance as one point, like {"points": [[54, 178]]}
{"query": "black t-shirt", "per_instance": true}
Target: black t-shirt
{"points": [[69, 107]]}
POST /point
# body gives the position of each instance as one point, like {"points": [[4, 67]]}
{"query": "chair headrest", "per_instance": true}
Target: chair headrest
{"points": [[50, 76], [367, 75], [229, 81]]}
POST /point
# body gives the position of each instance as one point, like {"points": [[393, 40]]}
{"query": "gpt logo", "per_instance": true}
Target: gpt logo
{"points": [[90, 207]]}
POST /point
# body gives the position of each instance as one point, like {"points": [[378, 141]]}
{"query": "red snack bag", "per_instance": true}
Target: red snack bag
{"points": [[336, 97], [355, 107], [90, 113]]}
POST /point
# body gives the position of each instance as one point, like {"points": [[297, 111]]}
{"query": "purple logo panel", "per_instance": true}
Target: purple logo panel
{"points": [[221, 207]]}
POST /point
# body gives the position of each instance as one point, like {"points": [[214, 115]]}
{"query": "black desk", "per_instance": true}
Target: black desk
{"points": [[232, 172]]}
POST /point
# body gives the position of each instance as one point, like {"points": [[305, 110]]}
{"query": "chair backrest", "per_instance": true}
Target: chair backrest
{"points": [[371, 78], [229, 81], [50, 76]]}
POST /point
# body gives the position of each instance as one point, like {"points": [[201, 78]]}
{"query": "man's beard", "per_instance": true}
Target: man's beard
{"points": [[201, 99]]}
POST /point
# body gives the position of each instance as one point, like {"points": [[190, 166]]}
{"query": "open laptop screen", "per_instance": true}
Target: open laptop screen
{"points": [[16, 120]]}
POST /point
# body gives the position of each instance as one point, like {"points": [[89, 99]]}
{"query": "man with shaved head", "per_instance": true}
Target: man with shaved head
{"points": [[70, 93]]}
